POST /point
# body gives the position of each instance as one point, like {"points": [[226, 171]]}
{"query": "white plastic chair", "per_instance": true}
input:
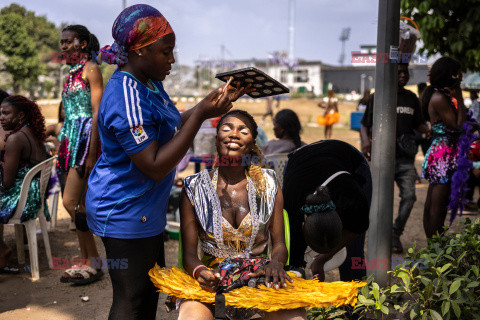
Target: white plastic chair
{"points": [[45, 168], [53, 199], [53, 207], [277, 162]]}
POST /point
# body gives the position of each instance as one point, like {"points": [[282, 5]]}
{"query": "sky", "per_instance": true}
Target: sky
{"points": [[246, 28]]}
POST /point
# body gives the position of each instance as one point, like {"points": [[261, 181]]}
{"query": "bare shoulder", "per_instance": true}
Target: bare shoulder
{"points": [[15, 141], [92, 69], [438, 99], [90, 65]]}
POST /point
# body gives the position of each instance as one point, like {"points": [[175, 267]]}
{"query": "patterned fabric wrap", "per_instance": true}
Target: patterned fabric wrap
{"points": [[235, 272], [76, 131], [441, 159], [10, 198], [136, 27]]}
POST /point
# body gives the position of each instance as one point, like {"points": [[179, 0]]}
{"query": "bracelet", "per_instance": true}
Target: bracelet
{"points": [[196, 268]]}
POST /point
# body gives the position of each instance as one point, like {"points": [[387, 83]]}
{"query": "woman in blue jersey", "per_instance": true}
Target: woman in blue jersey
{"points": [[143, 138]]}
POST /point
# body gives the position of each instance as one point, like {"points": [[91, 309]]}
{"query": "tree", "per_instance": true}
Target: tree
{"points": [[18, 46], [25, 64], [449, 28]]}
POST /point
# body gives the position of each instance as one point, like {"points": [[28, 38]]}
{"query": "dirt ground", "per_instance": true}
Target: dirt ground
{"points": [[47, 298]]}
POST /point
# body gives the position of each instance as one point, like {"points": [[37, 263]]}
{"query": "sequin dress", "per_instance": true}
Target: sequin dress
{"points": [[76, 131], [9, 198], [441, 159]]}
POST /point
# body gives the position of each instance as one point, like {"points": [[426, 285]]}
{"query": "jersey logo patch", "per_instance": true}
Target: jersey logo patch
{"points": [[139, 134]]}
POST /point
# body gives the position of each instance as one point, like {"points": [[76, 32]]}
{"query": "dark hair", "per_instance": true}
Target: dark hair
{"points": [[253, 124], [3, 95], [288, 121], [33, 117], [322, 230], [85, 35], [473, 94], [366, 96], [420, 87], [441, 76]]}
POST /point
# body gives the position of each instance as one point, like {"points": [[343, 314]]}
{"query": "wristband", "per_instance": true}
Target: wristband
{"points": [[196, 268]]}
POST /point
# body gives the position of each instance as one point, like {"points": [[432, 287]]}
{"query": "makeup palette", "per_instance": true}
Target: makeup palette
{"points": [[264, 84]]}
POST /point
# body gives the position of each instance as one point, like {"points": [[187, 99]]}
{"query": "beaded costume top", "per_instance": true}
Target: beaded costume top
{"points": [[218, 239]]}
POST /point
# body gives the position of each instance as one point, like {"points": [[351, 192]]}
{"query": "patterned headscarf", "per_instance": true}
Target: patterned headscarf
{"points": [[136, 27]]}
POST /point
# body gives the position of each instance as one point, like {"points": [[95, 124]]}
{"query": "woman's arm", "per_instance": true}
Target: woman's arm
{"points": [[13, 152], [94, 77], [189, 231], [275, 275], [277, 231]]}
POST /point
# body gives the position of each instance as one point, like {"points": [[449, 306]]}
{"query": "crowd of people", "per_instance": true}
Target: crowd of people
{"points": [[118, 148]]}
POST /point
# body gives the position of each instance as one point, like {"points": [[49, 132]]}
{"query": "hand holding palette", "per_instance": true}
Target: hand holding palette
{"points": [[264, 84]]}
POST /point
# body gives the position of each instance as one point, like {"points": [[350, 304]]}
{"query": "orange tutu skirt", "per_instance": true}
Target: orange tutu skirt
{"points": [[328, 119], [299, 294]]}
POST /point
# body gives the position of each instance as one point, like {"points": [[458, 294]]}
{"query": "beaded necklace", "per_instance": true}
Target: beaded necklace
{"points": [[72, 74]]}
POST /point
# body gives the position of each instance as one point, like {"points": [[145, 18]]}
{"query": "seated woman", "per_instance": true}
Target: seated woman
{"points": [[343, 169], [23, 150], [287, 128], [233, 211]]}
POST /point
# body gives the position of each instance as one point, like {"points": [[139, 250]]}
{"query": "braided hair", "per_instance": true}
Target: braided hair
{"points": [[254, 170], [84, 35], [33, 117], [289, 122]]}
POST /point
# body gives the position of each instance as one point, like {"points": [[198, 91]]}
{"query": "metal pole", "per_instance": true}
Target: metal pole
{"points": [[362, 82], [383, 149], [124, 3]]}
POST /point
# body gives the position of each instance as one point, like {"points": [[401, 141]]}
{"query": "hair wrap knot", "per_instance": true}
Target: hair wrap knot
{"points": [[113, 54]]}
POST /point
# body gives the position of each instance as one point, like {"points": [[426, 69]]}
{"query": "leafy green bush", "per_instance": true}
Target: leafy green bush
{"points": [[444, 283]]}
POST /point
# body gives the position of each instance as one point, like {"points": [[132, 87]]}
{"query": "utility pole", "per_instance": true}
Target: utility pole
{"points": [[344, 36], [291, 32], [384, 131], [124, 4]]}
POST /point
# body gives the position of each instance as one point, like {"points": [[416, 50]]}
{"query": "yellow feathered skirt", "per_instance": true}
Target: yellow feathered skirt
{"points": [[328, 119], [299, 294]]}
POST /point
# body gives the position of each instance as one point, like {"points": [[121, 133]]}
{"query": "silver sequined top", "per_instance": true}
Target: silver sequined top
{"points": [[201, 193]]}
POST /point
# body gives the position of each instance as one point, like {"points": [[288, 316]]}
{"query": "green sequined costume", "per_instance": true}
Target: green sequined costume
{"points": [[9, 199], [77, 127]]}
